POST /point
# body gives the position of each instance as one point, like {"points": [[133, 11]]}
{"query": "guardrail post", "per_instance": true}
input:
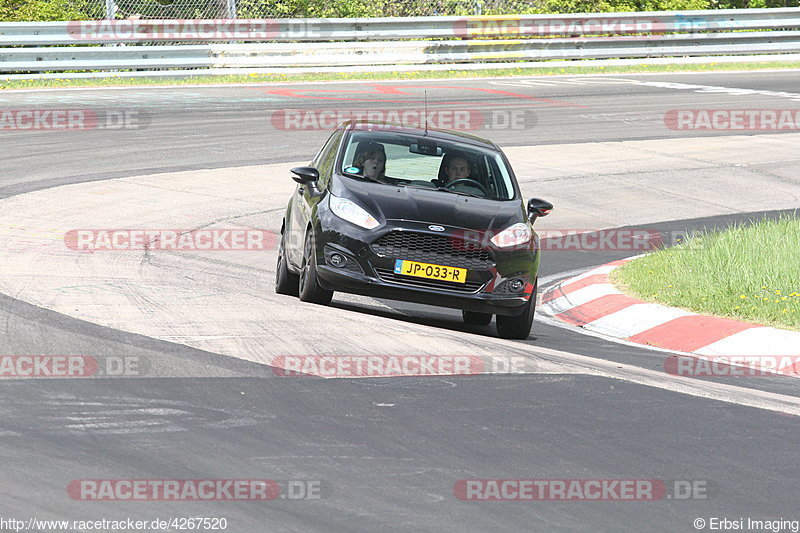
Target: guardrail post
{"points": [[111, 10]]}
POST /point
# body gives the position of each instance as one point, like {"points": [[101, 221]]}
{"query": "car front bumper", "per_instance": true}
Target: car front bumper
{"points": [[370, 273]]}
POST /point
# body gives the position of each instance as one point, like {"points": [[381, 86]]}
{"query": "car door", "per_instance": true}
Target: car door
{"points": [[303, 203]]}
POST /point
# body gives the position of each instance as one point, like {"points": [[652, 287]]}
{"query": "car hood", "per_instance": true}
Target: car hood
{"points": [[389, 202]]}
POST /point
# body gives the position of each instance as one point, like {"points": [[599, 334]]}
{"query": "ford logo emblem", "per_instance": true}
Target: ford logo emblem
{"points": [[436, 228]]}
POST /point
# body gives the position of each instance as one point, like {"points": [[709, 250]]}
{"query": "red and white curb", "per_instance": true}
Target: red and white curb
{"points": [[589, 301]]}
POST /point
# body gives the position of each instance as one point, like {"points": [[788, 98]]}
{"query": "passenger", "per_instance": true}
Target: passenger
{"points": [[370, 160]]}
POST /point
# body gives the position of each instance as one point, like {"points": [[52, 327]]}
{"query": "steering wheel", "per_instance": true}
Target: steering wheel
{"points": [[469, 182]]}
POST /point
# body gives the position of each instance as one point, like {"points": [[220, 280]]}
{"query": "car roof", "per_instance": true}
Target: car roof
{"points": [[433, 133]]}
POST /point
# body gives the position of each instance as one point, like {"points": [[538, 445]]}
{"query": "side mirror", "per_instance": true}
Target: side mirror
{"points": [[305, 175], [538, 208]]}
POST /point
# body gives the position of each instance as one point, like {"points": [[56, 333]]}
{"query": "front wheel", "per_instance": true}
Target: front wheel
{"points": [[518, 326], [310, 289]]}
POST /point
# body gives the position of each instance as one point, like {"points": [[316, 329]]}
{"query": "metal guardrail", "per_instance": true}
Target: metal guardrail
{"points": [[281, 43]]}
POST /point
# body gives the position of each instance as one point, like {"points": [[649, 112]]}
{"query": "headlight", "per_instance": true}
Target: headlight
{"points": [[515, 235], [352, 212]]}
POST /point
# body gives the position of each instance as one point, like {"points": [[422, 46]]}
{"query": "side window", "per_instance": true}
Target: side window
{"points": [[326, 158], [488, 176], [323, 150]]}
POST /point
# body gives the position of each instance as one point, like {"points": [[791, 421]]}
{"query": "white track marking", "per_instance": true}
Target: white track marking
{"points": [[733, 91], [756, 341], [584, 295], [634, 319]]}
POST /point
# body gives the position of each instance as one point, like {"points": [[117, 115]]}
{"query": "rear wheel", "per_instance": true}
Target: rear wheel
{"points": [[518, 326], [476, 319], [310, 289], [285, 282]]}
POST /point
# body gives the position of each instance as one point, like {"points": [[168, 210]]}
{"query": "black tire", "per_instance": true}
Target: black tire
{"points": [[518, 326], [285, 282], [310, 290], [476, 319]]}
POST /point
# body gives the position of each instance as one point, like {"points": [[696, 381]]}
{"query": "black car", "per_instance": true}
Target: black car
{"points": [[418, 215]]}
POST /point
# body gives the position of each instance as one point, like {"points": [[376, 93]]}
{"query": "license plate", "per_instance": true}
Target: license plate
{"points": [[426, 270]]}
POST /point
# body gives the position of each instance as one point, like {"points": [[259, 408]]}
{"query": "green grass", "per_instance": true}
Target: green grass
{"points": [[748, 272], [262, 78]]}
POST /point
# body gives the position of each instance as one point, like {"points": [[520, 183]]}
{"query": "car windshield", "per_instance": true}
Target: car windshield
{"points": [[419, 161]]}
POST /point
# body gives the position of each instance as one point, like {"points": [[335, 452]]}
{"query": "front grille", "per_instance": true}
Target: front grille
{"points": [[389, 275], [436, 249]]}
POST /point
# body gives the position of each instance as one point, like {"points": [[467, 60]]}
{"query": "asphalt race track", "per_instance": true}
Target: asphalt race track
{"points": [[388, 454]]}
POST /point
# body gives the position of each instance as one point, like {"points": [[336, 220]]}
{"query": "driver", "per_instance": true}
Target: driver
{"points": [[457, 169], [456, 166]]}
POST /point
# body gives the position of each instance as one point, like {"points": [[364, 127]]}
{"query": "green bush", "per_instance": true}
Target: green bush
{"points": [[307, 9], [604, 6], [43, 10]]}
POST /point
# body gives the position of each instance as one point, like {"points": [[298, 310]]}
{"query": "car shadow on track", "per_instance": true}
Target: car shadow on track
{"points": [[449, 319]]}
